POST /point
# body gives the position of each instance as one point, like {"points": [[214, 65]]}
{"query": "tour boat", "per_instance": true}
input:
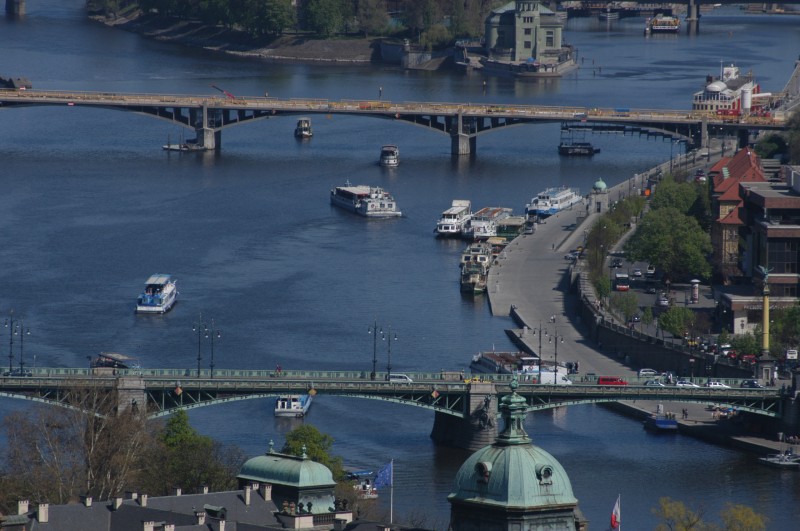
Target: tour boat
{"points": [[483, 224], [552, 201], [608, 14], [368, 201], [475, 262], [390, 156], [781, 460], [303, 129], [577, 149], [293, 405], [454, 219], [661, 423], [160, 294], [662, 24]]}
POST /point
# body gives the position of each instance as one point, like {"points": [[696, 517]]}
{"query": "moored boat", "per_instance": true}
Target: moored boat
{"points": [[782, 460], [483, 224], [367, 201], [608, 14], [561, 65], [363, 484], [577, 149], [475, 263], [159, 295], [552, 201], [303, 128], [455, 219], [293, 405], [661, 423], [390, 156]]}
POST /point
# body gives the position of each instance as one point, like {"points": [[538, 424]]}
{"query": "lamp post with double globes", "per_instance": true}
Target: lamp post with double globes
{"points": [[389, 338], [212, 333], [200, 329], [539, 352], [22, 331], [9, 323], [373, 330], [555, 338]]}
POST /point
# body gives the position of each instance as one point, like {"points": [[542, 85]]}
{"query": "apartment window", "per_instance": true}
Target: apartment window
{"points": [[527, 31], [550, 39], [783, 255], [527, 45]]}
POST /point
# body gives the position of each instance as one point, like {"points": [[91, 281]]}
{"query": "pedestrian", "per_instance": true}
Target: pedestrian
{"points": [[554, 246], [380, 92]]}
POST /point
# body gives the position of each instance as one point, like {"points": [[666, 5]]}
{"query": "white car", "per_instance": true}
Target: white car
{"points": [[713, 384], [647, 372], [685, 383], [637, 272], [653, 383]]}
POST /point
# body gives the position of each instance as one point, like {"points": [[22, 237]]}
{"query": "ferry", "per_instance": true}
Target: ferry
{"points": [[303, 128], [159, 295], [390, 156], [475, 263], [662, 24], [661, 423], [455, 219], [483, 224], [577, 149], [293, 405], [368, 201], [552, 201], [560, 64]]}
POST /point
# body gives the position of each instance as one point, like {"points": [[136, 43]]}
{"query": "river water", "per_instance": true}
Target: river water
{"points": [[90, 206]]}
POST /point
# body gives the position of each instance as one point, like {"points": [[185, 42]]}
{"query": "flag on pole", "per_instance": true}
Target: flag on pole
{"points": [[615, 518], [384, 477]]}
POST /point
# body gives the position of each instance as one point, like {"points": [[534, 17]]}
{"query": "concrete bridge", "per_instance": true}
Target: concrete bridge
{"points": [[207, 116], [465, 412]]}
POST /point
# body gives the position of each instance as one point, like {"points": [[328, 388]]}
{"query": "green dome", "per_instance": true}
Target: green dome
{"points": [[281, 469], [600, 185]]}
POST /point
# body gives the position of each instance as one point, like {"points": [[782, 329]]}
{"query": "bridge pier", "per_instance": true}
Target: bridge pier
{"points": [[462, 142], [478, 428], [693, 17], [130, 393], [209, 138], [15, 7]]}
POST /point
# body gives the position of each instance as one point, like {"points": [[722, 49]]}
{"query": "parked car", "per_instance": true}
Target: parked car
{"points": [[751, 384], [637, 272], [611, 380], [571, 256], [685, 383], [748, 358], [18, 373], [651, 289], [647, 372], [715, 384], [616, 263], [653, 383], [636, 318], [651, 270], [663, 301]]}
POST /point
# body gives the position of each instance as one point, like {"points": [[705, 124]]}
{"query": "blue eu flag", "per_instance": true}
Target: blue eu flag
{"points": [[384, 477]]}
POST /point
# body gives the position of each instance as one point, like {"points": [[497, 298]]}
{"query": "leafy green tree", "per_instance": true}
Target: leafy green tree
{"points": [[793, 127], [784, 330], [672, 241], [647, 316], [602, 286], [676, 516], [325, 17], [626, 303], [435, 37], [316, 445], [742, 518], [771, 145], [670, 194], [677, 320], [372, 17], [746, 344]]}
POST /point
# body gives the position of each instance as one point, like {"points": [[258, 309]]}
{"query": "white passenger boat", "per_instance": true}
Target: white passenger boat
{"points": [[303, 128], [455, 219], [368, 201], [159, 295], [390, 156], [483, 224], [782, 460], [293, 405], [552, 201]]}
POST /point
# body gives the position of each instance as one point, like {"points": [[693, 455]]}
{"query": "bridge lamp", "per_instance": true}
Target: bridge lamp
{"points": [[557, 339], [22, 331], [212, 333], [9, 323], [200, 329], [373, 330], [539, 352], [389, 338]]}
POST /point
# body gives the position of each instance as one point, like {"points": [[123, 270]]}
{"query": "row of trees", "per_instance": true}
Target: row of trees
{"points": [[430, 21]]}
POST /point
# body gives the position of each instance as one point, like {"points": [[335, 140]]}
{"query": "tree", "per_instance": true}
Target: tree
{"points": [[677, 517], [434, 37], [274, 17], [602, 286], [324, 16], [372, 16], [677, 320], [746, 344], [627, 303], [742, 518], [316, 445], [670, 194], [647, 316]]}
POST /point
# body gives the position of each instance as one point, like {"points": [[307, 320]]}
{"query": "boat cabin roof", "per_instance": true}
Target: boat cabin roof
{"points": [[158, 279]]}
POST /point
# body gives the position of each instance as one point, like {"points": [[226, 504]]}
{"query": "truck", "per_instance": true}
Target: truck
{"points": [[553, 378]]}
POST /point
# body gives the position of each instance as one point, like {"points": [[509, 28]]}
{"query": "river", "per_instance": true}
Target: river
{"points": [[90, 206]]}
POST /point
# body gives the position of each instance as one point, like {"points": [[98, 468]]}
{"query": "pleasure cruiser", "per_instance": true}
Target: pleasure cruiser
{"points": [[159, 295], [483, 224], [390, 156], [293, 405], [368, 201], [552, 201], [455, 219]]}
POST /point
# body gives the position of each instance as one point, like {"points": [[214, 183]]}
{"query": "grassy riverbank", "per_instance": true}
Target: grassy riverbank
{"points": [[290, 48]]}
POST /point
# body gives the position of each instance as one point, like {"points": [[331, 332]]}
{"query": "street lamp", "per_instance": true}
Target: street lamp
{"points": [[539, 352], [20, 329], [388, 337], [374, 331], [10, 325], [200, 329], [211, 333], [557, 339]]}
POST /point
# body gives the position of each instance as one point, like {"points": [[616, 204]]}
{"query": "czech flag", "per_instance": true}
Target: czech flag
{"points": [[615, 518]]}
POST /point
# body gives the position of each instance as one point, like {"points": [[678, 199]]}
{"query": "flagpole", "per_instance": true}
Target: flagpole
{"points": [[619, 500], [391, 493]]}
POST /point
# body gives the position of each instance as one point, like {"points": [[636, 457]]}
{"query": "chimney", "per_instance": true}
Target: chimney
{"points": [[43, 513], [149, 526], [204, 489], [201, 517], [176, 491], [143, 500], [222, 525], [266, 491], [254, 486], [246, 495], [86, 500], [116, 502], [130, 495], [22, 506], [169, 527]]}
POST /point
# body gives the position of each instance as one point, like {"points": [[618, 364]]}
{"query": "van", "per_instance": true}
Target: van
{"points": [[399, 378], [611, 380]]}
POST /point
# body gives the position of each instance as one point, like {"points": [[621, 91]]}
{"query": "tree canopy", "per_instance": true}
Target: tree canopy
{"points": [[316, 445]]}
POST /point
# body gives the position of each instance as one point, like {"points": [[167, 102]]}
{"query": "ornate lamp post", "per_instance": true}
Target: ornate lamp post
{"points": [[200, 329], [539, 352], [212, 333], [557, 339], [22, 331], [10, 325], [374, 331], [388, 337]]}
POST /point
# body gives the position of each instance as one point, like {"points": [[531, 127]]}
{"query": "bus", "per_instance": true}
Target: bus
{"points": [[622, 282]]}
